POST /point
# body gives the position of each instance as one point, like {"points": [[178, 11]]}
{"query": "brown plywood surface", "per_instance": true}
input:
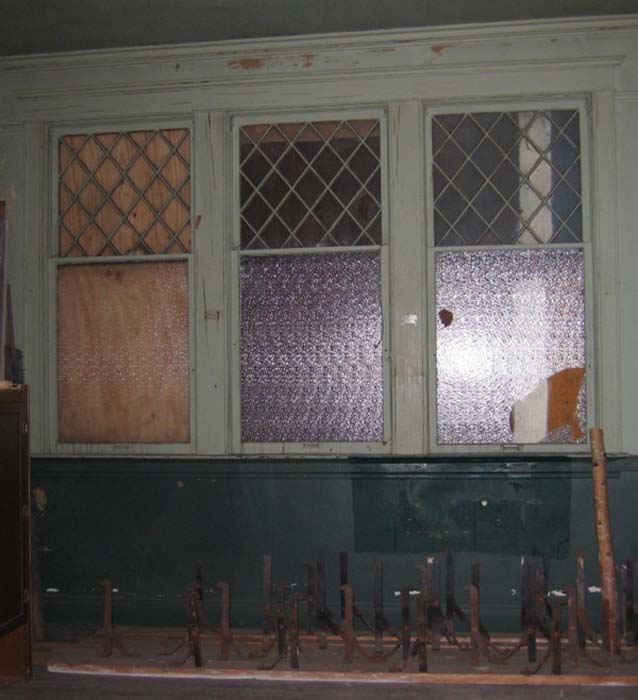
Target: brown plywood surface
{"points": [[123, 353]]}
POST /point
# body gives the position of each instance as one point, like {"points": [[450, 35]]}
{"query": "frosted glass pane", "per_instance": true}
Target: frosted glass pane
{"points": [[510, 347], [123, 358], [311, 353]]}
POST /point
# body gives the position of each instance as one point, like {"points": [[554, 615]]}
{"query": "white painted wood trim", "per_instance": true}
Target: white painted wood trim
{"points": [[604, 170], [407, 267]]}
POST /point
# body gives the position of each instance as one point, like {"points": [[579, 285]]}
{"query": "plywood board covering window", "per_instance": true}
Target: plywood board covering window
{"points": [[123, 353], [125, 193]]}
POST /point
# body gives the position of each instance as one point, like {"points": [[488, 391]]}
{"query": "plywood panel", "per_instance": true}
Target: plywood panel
{"points": [[123, 353]]}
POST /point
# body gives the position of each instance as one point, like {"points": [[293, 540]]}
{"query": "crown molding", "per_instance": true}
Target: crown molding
{"points": [[260, 49]]}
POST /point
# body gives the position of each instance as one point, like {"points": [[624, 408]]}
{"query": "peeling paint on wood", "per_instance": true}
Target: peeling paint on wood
{"points": [[246, 63], [308, 59], [440, 49]]}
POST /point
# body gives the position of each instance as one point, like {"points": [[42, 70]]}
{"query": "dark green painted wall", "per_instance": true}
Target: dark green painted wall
{"points": [[142, 524]]}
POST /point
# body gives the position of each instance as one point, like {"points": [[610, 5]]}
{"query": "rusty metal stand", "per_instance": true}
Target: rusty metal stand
{"points": [[324, 620], [267, 623], [630, 595], [194, 630], [344, 581], [111, 637], [293, 630], [227, 640], [311, 597], [381, 624]]}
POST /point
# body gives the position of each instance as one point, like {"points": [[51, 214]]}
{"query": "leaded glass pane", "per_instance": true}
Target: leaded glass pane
{"points": [[310, 184], [507, 178], [510, 347], [311, 348], [124, 193]]}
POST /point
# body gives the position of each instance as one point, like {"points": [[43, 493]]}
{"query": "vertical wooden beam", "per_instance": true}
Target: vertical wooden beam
{"points": [[408, 327], [606, 560]]}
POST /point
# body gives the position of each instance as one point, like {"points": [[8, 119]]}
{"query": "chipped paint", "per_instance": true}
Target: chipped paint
{"points": [[246, 63], [52, 590], [595, 589], [558, 594], [40, 499], [308, 59], [440, 49]]}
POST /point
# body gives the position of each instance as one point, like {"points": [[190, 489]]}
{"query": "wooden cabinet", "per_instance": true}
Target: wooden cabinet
{"points": [[15, 618]]}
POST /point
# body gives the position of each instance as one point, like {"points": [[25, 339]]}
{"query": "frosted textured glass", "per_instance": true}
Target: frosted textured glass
{"points": [[123, 357], [311, 350], [510, 347]]}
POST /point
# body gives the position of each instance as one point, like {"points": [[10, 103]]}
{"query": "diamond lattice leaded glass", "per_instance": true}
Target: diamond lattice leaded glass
{"points": [[507, 178], [124, 193], [310, 184], [311, 350]]}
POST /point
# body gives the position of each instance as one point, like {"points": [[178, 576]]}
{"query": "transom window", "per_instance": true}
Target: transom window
{"points": [[502, 178], [307, 184], [123, 193]]}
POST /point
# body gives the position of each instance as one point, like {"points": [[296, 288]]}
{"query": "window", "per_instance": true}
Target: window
{"points": [[122, 287], [311, 331], [509, 259], [300, 326]]}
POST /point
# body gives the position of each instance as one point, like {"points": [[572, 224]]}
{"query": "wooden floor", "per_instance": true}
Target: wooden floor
{"points": [[76, 669]]}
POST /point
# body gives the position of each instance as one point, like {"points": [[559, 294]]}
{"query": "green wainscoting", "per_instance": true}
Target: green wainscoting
{"points": [[143, 522]]}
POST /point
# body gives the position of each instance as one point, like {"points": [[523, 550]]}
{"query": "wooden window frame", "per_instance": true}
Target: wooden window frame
{"points": [[55, 261], [458, 107], [307, 448]]}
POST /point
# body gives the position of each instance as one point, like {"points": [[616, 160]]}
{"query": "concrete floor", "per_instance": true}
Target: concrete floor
{"points": [[46, 686]]}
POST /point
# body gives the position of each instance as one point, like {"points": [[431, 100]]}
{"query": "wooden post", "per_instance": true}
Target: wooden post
{"points": [[606, 559]]}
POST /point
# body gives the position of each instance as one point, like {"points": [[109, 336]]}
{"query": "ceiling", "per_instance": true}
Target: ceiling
{"points": [[39, 26]]}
